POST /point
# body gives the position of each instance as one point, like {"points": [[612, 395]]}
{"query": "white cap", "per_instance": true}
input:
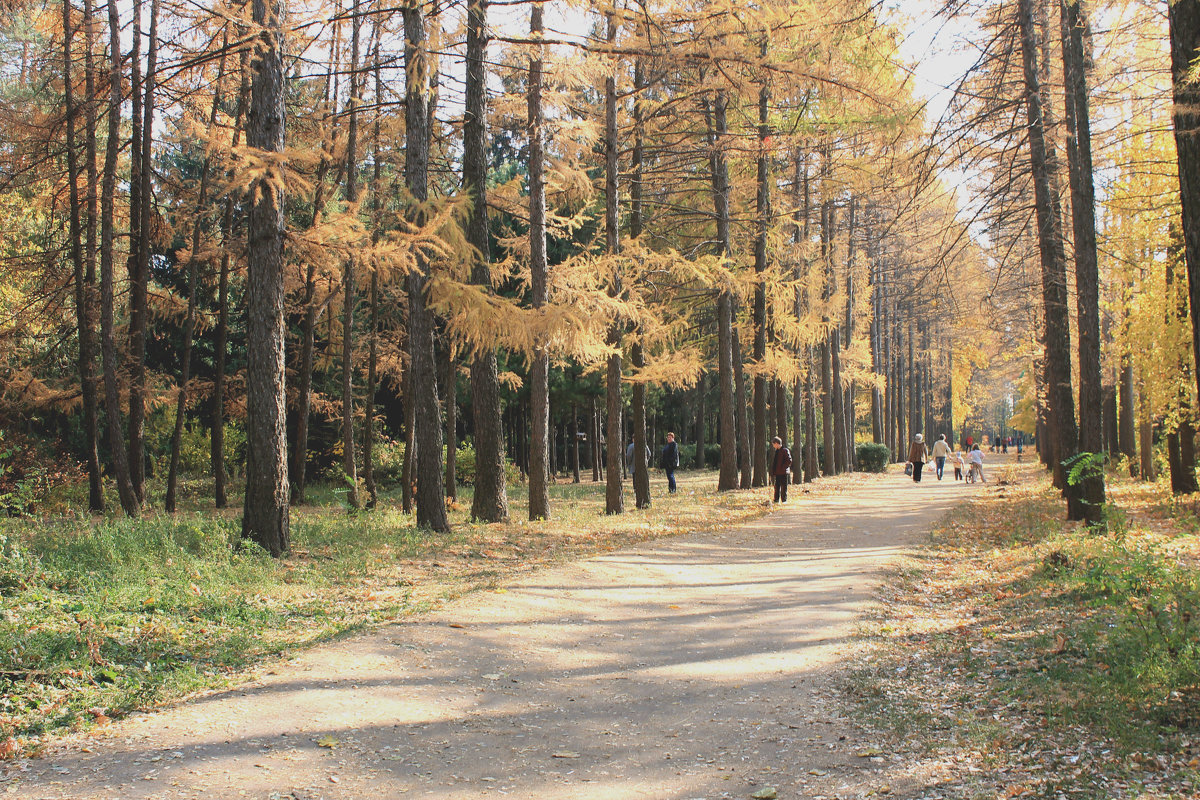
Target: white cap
{"points": [[919, 438]]}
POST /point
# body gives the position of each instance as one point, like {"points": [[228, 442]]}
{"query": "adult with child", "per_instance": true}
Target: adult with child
{"points": [[940, 451], [670, 461], [781, 469], [918, 454]]}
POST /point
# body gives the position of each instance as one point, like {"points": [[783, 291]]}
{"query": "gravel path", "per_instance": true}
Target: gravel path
{"points": [[693, 667]]}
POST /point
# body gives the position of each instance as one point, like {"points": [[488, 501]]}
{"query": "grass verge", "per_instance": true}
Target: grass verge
{"points": [[1020, 655], [99, 616]]}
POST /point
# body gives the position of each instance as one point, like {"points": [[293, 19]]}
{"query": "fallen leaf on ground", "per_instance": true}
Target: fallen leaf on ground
{"points": [[328, 741], [765, 793], [565, 754]]}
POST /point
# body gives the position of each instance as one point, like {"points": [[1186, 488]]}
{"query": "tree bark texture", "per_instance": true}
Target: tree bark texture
{"points": [[1184, 21], [430, 493], [490, 500], [349, 292], [539, 371], [265, 515]]}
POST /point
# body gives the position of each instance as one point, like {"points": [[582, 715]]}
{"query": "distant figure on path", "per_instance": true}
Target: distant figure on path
{"points": [[960, 464], [670, 461], [940, 451], [976, 459], [918, 454], [781, 468]]}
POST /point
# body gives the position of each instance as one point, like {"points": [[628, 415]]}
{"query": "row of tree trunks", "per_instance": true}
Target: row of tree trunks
{"points": [[84, 271]]}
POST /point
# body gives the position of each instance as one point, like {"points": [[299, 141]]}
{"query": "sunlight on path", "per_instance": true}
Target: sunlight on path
{"points": [[697, 667]]}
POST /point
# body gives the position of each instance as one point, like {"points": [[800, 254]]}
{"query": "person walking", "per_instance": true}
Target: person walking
{"points": [[918, 454], [781, 468], [670, 461], [940, 451]]}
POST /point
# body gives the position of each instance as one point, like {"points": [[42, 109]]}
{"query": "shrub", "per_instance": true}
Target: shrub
{"points": [[873, 457]]}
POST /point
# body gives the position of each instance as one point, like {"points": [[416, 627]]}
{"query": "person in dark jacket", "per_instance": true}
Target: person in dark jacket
{"points": [[918, 454], [670, 461], [781, 468]]}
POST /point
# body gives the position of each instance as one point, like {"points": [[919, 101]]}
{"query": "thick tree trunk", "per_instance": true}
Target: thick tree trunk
{"points": [[84, 283], [1054, 282], [489, 502], [539, 371], [1184, 20], [1087, 279], [430, 494], [265, 515]]}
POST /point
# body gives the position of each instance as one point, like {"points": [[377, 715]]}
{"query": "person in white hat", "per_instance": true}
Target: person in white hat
{"points": [[918, 454]]}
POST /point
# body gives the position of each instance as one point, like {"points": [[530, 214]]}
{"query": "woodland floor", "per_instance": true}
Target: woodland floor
{"points": [[871, 638]]}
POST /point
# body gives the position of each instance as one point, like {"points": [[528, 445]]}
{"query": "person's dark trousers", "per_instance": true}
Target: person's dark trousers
{"points": [[781, 484], [917, 467], [940, 461], [671, 480]]}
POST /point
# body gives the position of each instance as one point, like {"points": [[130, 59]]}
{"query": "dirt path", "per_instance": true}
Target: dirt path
{"points": [[695, 667]]}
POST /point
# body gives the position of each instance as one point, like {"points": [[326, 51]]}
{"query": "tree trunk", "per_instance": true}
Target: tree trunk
{"points": [[762, 215], [489, 502], [376, 230], [1054, 282], [1087, 279], [430, 494], [641, 469], [139, 258], [1128, 413], [539, 372], [349, 292], [716, 128], [614, 502], [84, 283], [265, 515], [1184, 20], [108, 344], [742, 410], [451, 389]]}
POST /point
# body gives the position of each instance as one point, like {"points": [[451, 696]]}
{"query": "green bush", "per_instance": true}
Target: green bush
{"points": [[873, 457], [1156, 640]]}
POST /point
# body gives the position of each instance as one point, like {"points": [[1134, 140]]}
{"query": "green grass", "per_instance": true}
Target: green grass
{"points": [[101, 615]]}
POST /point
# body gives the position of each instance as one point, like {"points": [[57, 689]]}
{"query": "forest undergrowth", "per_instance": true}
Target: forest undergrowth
{"points": [[102, 616], [1019, 655]]}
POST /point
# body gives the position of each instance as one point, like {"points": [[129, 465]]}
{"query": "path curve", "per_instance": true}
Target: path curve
{"points": [[690, 667]]}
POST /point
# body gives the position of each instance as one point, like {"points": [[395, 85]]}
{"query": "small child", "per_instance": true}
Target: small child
{"points": [[958, 465]]}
